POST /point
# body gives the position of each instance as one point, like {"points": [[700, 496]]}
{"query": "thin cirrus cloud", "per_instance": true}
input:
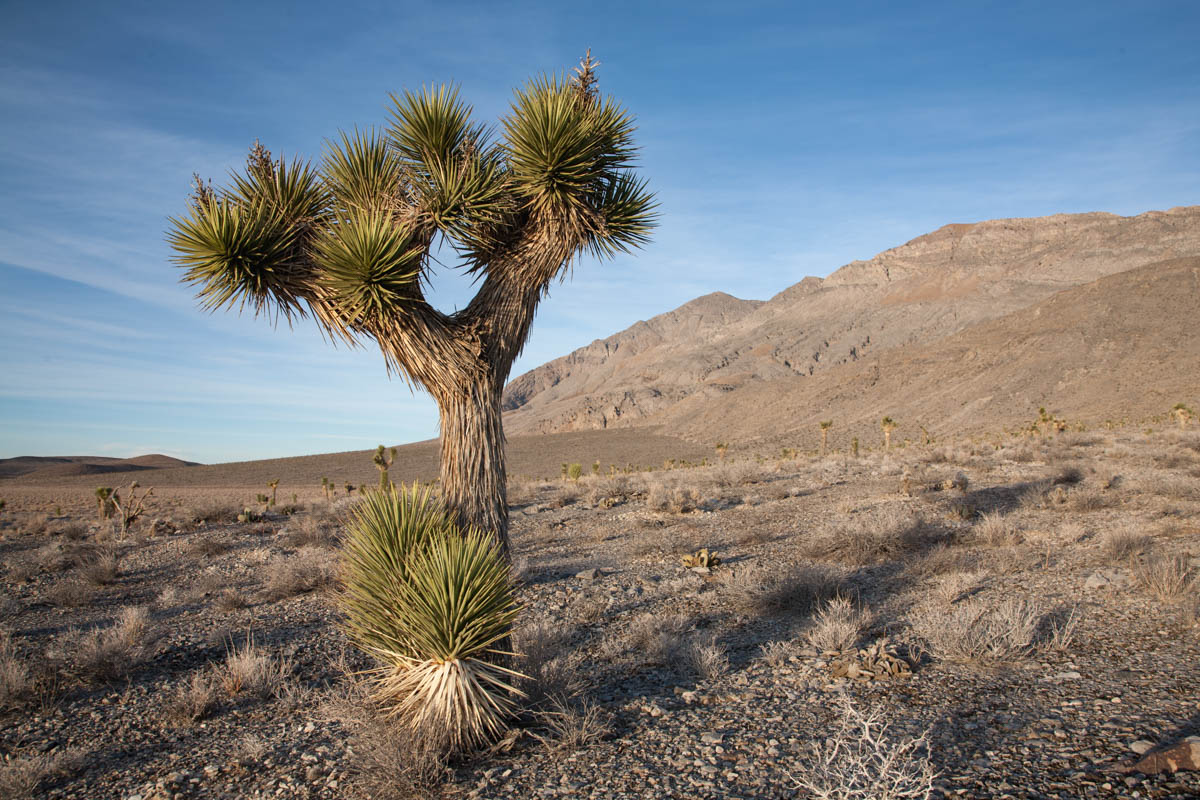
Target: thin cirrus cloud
{"points": [[783, 140]]}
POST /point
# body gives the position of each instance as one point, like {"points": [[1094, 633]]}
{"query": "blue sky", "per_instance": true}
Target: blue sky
{"points": [[782, 139]]}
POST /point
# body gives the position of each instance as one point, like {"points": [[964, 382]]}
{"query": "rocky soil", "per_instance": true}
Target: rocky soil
{"points": [[1012, 601]]}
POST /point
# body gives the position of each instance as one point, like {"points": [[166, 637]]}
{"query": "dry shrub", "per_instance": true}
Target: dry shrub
{"points": [[796, 589], [70, 593], [1122, 543], [112, 653], [1179, 487], [390, 761], [550, 667], [318, 528], [705, 657], [977, 630], [1068, 476], [54, 557], [997, 530], [1168, 578], [564, 496], [229, 600], [571, 726], [658, 638], [862, 760], [869, 536], [22, 776], [192, 701], [838, 625], [36, 525], [209, 547], [1091, 500], [15, 681], [958, 585], [101, 569], [249, 670], [307, 569], [213, 511], [776, 653], [73, 531]]}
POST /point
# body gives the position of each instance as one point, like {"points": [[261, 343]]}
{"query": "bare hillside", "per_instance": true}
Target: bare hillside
{"points": [[679, 363]]}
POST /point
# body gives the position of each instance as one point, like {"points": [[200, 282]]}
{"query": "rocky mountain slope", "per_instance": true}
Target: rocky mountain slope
{"points": [[705, 369]]}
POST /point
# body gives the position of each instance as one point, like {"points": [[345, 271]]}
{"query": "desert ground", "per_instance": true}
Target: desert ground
{"points": [[1009, 617]]}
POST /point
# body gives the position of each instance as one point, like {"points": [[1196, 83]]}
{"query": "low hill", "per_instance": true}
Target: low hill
{"points": [[67, 466]]}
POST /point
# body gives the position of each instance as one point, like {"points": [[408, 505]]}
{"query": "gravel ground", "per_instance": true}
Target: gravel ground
{"points": [[699, 685]]}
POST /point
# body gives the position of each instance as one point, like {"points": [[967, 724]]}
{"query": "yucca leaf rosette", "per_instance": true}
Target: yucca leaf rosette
{"points": [[433, 604]]}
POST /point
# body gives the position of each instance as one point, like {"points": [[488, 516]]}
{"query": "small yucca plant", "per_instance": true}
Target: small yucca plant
{"points": [[434, 605]]}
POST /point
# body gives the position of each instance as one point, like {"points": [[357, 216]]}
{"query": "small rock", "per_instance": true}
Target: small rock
{"points": [[1107, 579], [588, 575], [1072, 675], [712, 738]]}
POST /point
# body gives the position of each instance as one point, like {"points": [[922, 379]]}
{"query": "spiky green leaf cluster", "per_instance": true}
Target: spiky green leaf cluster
{"points": [[431, 603], [350, 240]]}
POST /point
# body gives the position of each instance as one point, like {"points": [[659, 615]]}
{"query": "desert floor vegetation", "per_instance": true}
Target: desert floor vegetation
{"points": [[1044, 609]]}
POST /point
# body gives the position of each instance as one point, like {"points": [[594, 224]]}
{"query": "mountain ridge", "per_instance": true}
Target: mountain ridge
{"points": [[922, 291]]}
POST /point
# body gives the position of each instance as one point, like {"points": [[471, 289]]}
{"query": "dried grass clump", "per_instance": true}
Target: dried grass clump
{"points": [[1123, 543], [101, 569], [209, 547], [229, 600], [550, 667], [306, 570], [22, 776], [863, 760], [775, 653], [16, 683], [997, 530], [251, 671], [192, 701], [705, 657], [212, 511], [658, 638], [318, 528], [1168, 578], [571, 726], [870, 536], [794, 589], [70, 593], [977, 630], [957, 586], [112, 653], [838, 625], [1179, 487], [390, 761]]}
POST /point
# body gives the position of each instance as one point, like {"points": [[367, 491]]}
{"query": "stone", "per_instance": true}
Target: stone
{"points": [[712, 738], [588, 575], [1183, 755], [1141, 746], [1107, 579]]}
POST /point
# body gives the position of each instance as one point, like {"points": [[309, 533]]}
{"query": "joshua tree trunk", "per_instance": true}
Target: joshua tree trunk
{"points": [[472, 444]]}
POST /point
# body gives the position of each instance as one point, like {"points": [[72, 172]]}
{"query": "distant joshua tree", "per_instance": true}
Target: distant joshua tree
{"points": [[383, 459], [328, 488], [825, 426], [104, 502], [1182, 413], [273, 485], [352, 242], [888, 425], [722, 448]]}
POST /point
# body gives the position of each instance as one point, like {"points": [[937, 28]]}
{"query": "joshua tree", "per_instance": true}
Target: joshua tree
{"points": [[350, 489], [825, 426], [888, 425], [274, 485], [104, 502], [383, 459], [130, 507], [1182, 413], [722, 448], [327, 487], [351, 243]]}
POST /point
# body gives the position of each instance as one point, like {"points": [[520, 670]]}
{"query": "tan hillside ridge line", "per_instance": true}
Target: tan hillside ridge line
{"points": [[929, 288]]}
